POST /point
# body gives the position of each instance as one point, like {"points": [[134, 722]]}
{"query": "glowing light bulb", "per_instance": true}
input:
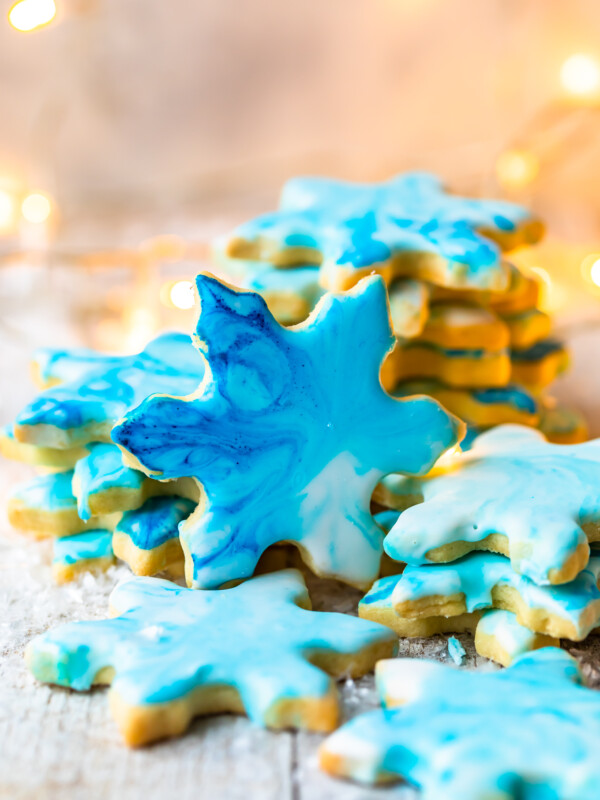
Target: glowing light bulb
{"points": [[36, 208], [595, 272], [580, 74], [182, 294], [27, 15], [7, 209], [516, 168]]}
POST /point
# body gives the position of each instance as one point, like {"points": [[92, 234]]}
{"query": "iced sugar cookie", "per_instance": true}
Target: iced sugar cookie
{"points": [[500, 637], [480, 408], [147, 539], [413, 603], [521, 295], [103, 484], [409, 307], [539, 365], [527, 328], [562, 425], [84, 409], [172, 654], [38, 456], [513, 493], [83, 552], [46, 506], [413, 360], [408, 226], [530, 731], [281, 453], [460, 326]]}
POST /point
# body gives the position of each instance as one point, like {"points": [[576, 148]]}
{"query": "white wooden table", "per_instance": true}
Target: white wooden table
{"points": [[57, 744]]}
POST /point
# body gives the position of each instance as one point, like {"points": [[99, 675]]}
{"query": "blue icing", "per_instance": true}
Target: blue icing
{"points": [[531, 731], [155, 522], [511, 395], [288, 434], [387, 519], [56, 365], [514, 483], [456, 651], [475, 576], [514, 639], [538, 351], [102, 471], [112, 384], [168, 641], [83, 547], [351, 226], [51, 492]]}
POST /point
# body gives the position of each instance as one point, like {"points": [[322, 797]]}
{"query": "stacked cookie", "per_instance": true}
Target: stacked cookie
{"points": [[86, 499], [498, 545], [468, 328]]}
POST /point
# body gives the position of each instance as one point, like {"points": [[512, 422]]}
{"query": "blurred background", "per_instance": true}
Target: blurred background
{"points": [[133, 132]]}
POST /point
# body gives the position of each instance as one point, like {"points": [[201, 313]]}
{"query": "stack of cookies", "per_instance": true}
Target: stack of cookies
{"points": [[468, 328]]}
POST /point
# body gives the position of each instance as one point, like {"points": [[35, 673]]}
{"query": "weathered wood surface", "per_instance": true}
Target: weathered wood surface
{"points": [[60, 745]]}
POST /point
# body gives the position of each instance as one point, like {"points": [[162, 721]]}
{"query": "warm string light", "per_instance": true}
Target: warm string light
{"points": [[28, 15], [580, 75]]}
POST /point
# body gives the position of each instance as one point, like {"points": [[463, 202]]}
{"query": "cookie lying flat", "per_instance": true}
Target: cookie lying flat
{"points": [[409, 307], [521, 295], [291, 294], [460, 326], [46, 506], [103, 484], [531, 731], [416, 602], [38, 456], [563, 425], [147, 539], [539, 365], [513, 493], [481, 408], [288, 434], [85, 408], [500, 637], [173, 653], [413, 359], [407, 226], [84, 552], [527, 328]]}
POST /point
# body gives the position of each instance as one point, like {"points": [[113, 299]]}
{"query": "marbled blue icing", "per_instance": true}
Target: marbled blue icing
{"points": [[102, 471], [155, 522], [456, 651], [538, 351], [476, 574], [530, 732], [112, 384], [83, 547], [352, 226], [51, 492], [168, 641], [515, 483], [288, 434]]}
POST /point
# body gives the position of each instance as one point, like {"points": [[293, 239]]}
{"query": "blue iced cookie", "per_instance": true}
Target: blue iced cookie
{"points": [[537, 366], [500, 637], [83, 552], [46, 507], [424, 598], [172, 654], [147, 538], [49, 457], [516, 494], [408, 226], [288, 434], [85, 404], [530, 731]]}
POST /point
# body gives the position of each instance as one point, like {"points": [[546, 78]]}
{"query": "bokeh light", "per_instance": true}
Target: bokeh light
{"points": [[27, 15], [7, 210], [36, 208], [516, 168], [595, 272], [182, 294], [580, 74]]}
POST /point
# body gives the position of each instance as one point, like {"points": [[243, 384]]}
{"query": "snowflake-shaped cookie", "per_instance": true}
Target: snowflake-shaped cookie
{"points": [[514, 493], [288, 434], [94, 391], [406, 226], [530, 731], [174, 653]]}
